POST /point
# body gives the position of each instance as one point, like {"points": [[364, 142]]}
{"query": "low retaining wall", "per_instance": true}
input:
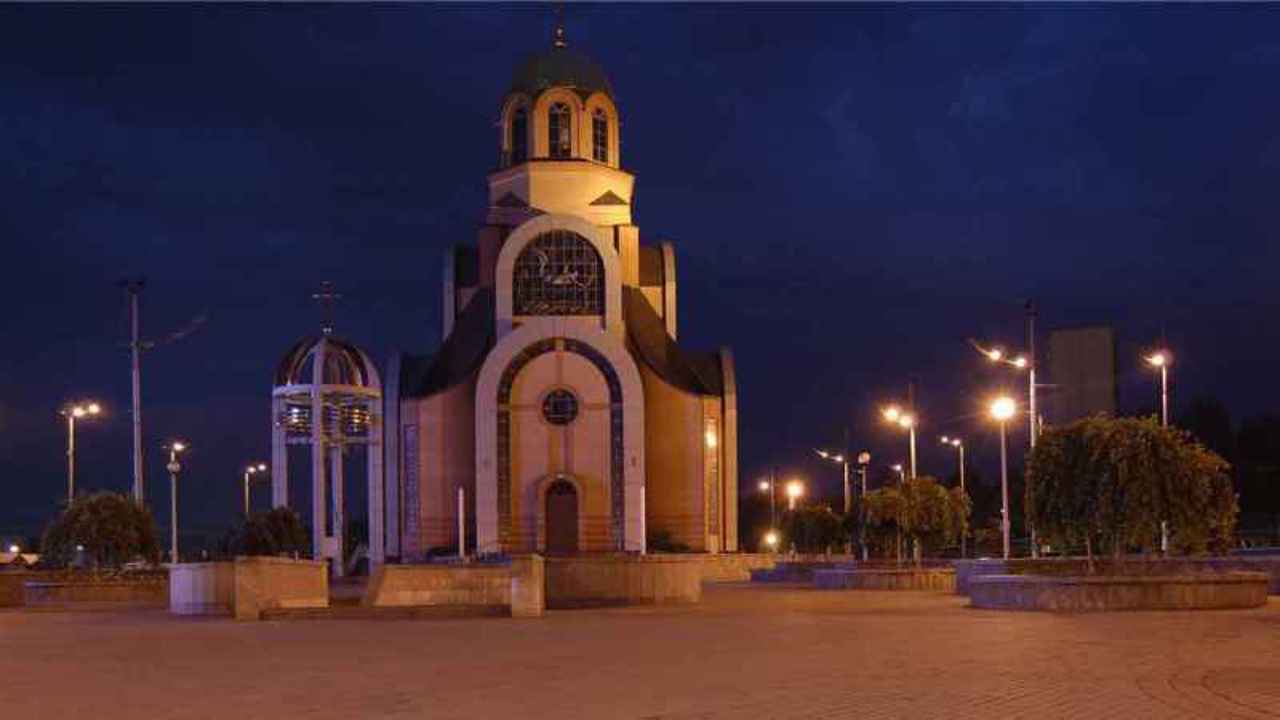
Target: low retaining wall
{"points": [[12, 586], [1232, 590], [206, 588], [734, 567], [940, 580], [49, 592], [517, 586], [593, 580], [1125, 566], [268, 583]]}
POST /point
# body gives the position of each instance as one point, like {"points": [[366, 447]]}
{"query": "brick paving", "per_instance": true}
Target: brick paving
{"points": [[746, 652]]}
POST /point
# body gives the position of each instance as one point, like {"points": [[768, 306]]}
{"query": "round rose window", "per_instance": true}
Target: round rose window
{"points": [[559, 407]]}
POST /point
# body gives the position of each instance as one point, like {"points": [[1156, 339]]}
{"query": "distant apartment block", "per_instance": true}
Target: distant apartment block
{"points": [[1082, 373]]}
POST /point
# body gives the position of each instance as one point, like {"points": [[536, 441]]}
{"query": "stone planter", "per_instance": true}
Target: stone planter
{"points": [[937, 580], [70, 592], [1220, 591], [597, 580]]}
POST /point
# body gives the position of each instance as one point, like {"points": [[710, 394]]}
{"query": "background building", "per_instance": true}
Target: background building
{"points": [[1082, 373]]}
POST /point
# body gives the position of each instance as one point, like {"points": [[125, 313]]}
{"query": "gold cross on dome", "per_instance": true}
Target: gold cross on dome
{"points": [[326, 298]]}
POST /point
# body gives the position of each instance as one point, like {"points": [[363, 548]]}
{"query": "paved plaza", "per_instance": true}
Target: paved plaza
{"points": [[746, 652]]}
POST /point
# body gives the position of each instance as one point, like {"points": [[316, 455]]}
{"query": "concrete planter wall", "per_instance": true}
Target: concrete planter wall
{"points": [[585, 581], [1093, 593], [1127, 566], [247, 586], [152, 592], [517, 587], [937, 580], [13, 586], [202, 588], [734, 567]]}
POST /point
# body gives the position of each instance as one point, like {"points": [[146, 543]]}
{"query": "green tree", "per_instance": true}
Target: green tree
{"points": [[111, 528], [1110, 482], [814, 529], [920, 509], [276, 532]]}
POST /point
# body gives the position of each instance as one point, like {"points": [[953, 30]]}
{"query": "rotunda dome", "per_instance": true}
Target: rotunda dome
{"points": [[344, 364]]}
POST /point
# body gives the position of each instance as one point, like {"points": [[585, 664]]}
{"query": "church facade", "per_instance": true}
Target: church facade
{"points": [[560, 414]]}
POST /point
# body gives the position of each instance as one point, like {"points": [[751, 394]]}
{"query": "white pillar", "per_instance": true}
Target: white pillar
{"points": [[462, 522], [279, 456], [318, 493], [339, 509], [373, 450]]}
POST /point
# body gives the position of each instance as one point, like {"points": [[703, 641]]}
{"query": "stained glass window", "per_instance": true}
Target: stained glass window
{"points": [[559, 273]]}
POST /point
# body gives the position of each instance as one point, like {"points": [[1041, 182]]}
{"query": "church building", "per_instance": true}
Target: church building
{"points": [[559, 401]]}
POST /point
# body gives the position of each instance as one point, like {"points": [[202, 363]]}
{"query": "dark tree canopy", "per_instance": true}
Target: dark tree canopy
{"points": [[1110, 482], [272, 533], [111, 528]]}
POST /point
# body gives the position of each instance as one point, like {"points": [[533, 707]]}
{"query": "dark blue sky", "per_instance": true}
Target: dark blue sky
{"points": [[853, 191]]}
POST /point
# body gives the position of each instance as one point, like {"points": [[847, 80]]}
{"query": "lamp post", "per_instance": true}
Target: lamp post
{"points": [[906, 421], [1003, 408], [771, 539], [173, 467], [958, 444], [1162, 359], [248, 473], [769, 487], [73, 413], [795, 490], [902, 473], [844, 463], [864, 459]]}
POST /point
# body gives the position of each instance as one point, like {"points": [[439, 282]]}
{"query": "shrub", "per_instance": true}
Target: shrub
{"points": [[111, 527]]}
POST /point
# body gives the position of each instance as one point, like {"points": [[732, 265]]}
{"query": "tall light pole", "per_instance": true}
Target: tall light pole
{"points": [[1003, 408], [958, 444], [134, 288], [843, 462], [1162, 359], [248, 472], [173, 467], [864, 459], [75, 412], [795, 490], [769, 486], [906, 421]]}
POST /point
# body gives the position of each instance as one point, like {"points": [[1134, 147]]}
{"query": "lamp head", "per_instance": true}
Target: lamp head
{"points": [[1003, 408], [995, 354], [795, 489], [771, 539], [1020, 362], [864, 457], [906, 421], [1159, 359], [891, 413], [177, 446], [764, 486]]}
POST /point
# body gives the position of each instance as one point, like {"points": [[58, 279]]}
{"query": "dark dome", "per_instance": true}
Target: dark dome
{"points": [[345, 364], [560, 67]]}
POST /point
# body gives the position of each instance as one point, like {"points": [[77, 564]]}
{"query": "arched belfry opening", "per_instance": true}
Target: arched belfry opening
{"points": [[327, 398]]}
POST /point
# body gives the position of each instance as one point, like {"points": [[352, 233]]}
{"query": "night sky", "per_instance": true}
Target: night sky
{"points": [[853, 191]]}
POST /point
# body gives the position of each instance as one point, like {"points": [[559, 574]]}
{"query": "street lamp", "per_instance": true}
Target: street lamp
{"points": [[771, 539], [795, 490], [249, 471], [905, 420], [844, 463], [902, 473], [1003, 408], [767, 486], [76, 411], [958, 444], [1021, 362], [173, 467], [1162, 359]]}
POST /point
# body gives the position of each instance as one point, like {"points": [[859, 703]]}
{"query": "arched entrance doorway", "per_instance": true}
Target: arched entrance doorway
{"points": [[562, 518]]}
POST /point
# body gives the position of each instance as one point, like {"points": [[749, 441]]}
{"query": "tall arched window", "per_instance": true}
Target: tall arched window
{"points": [[519, 136], [559, 131], [600, 136]]}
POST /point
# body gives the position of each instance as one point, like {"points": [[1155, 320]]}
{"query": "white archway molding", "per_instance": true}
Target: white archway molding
{"points": [[529, 230], [610, 347]]}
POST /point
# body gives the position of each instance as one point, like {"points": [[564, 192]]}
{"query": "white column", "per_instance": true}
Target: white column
{"points": [[339, 509], [318, 493], [279, 456], [376, 500]]}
